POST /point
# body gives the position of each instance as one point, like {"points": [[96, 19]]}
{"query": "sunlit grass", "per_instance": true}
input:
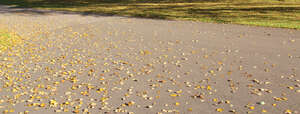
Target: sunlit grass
{"points": [[269, 13]]}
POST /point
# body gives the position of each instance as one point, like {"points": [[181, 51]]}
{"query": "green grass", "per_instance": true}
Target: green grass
{"points": [[269, 13], [8, 40]]}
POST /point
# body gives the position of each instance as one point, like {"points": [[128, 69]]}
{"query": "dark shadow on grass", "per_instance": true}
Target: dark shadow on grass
{"points": [[222, 15]]}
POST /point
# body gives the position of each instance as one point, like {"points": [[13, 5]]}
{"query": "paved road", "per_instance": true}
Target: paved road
{"points": [[74, 63]]}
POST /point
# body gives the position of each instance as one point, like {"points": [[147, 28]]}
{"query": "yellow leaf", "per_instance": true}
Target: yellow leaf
{"points": [[219, 110]]}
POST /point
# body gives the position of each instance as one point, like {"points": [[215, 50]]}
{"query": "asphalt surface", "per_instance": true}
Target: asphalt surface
{"points": [[75, 63]]}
